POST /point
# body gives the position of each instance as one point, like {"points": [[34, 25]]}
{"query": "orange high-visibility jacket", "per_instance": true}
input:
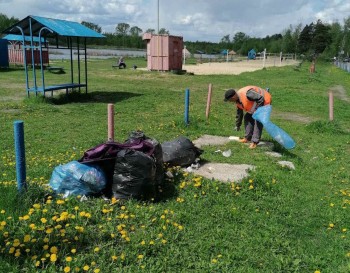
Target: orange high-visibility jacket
{"points": [[248, 105]]}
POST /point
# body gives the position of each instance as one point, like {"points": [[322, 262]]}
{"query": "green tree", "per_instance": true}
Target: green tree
{"points": [[346, 38], [6, 22], [135, 31], [163, 31], [305, 39], [290, 39], [239, 40], [225, 39], [92, 26], [122, 29], [150, 30], [321, 37], [333, 49]]}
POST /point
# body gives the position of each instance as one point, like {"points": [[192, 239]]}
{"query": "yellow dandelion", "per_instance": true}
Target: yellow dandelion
{"points": [[86, 268], [53, 250], [214, 261], [73, 250], [49, 230], [69, 259], [26, 238], [66, 269], [97, 249], [53, 257], [114, 258], [331, 225], [140, 256], [97, 270]]}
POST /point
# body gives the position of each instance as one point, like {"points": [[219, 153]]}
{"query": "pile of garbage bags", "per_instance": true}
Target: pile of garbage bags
{"points": [[133, 169]]}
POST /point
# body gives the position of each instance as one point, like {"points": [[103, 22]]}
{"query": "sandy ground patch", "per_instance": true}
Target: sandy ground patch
{"points": [[235, 68]]}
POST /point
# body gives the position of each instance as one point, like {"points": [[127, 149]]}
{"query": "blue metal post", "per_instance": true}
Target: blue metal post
{"points": [[20, 155], [187, 106], [32, 47]]}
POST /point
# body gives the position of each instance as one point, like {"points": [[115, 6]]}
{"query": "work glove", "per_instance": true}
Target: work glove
{"points": [[237, 128]]}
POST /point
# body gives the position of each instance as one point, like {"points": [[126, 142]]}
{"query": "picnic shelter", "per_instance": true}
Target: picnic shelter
{"points": [[66, 35]]}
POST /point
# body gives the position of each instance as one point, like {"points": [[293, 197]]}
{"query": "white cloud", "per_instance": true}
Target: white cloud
{"points": [[203, 20]]}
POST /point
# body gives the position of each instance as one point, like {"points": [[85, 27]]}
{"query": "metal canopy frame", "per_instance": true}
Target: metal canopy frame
{"points": [[43, 28]]}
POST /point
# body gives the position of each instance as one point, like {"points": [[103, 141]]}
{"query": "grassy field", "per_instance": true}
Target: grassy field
{"points": [[277, 220]]}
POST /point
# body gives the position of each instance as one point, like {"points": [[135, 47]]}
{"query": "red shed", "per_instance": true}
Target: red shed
{"points": [[15, 50], [164, 52]]}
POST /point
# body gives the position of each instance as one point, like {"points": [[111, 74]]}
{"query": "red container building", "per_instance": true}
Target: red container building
{"points": [[164, 52]]}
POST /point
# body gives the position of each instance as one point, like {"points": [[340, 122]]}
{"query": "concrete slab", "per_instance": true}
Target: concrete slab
{"points": [[222, 171], [210, 140]]}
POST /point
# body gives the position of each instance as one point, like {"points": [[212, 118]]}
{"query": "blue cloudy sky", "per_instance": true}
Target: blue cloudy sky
{"points": [[202, 20]]}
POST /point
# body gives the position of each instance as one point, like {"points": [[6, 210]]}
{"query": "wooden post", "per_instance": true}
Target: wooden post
{"points": [[207, 111], [110, 122], [331, 101]]}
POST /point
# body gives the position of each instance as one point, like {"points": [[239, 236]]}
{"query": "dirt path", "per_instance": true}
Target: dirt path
{"points": [[340, 93]]}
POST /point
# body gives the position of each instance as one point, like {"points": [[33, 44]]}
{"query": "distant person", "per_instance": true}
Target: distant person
{"points": [[249, 99], [121, 63]]}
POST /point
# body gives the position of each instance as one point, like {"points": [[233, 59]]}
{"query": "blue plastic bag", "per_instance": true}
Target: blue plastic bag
{"points": [[262, 114], [75, 178]]}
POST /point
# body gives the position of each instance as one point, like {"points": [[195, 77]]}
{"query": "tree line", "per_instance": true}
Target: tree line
{"points": [[314, 39]]}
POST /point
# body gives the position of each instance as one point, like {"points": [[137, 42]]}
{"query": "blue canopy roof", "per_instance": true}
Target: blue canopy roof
{"points": [[57, 26], [13, 37]]}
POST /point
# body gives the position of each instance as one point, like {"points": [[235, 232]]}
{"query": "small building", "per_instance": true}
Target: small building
{"points": [[15, 50], [164, 52], [186, 53]]}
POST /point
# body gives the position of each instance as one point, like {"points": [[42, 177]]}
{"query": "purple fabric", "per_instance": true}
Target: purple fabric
{"points": [[109, 150]]}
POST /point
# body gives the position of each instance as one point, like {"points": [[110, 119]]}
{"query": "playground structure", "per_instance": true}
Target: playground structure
{"points": [[44, 28]]}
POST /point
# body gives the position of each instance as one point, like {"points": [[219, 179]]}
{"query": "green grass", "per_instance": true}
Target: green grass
{"points": [[277, 220]]}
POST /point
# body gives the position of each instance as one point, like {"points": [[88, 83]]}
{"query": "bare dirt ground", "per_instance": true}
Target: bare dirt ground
{"points": [[235, 68], [340, 92]]}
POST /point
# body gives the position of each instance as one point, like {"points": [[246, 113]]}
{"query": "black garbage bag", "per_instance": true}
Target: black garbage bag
{"points": [[134, 175], [180, 152], [157, 154]]}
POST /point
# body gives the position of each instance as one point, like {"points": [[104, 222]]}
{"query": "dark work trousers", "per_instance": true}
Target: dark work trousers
{"points": [[253, 128]]}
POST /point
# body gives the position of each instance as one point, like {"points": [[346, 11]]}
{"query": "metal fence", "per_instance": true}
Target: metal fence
{"points": [[343, 65]]}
